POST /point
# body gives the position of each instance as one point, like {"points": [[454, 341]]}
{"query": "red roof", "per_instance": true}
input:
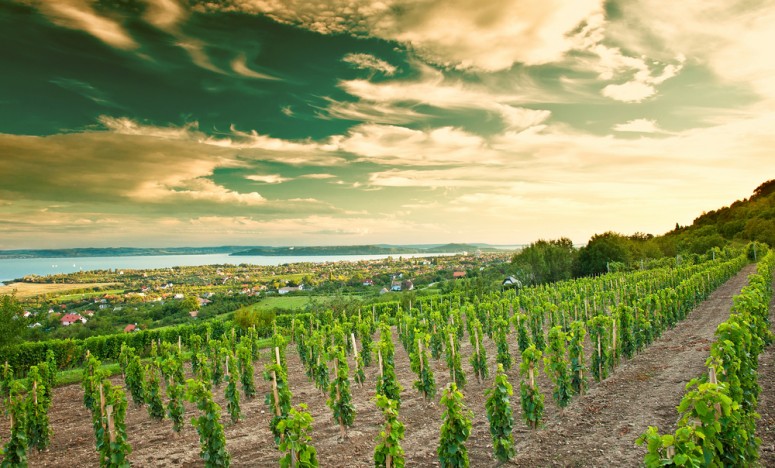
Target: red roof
{"points": [[458, 274], [71, 318], [130, 328]]}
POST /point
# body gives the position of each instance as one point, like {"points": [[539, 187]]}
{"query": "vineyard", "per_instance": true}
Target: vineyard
{"points": [[570, 373]]}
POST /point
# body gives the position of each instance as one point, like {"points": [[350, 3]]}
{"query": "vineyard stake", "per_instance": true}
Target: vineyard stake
{"points": [[111, 424]]}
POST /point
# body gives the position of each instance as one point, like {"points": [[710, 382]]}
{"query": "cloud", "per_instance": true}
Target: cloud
{"points": [[433, 90], [370, 62], [317, 176], [632, 91], [78, 14], [164, 14], [250, 144], [239, 66], [639, 126], [725, 36], [387, 144], [487, 36], [86, 90], [268, 178]]}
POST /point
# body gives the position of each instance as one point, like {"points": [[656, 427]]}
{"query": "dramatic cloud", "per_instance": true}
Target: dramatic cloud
{"points": [[78, 14]]}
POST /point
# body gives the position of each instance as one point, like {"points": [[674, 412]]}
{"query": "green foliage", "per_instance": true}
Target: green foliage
{"points": [[246, 370], [153, 393], [498, 406], [520, 325], [502, 344], [599, 327], [12, 323], [175, 410], [387, 382], [531, 399], [389, 451], [135, 379], [367, 344], [231, 392], [546, 261], [600, 251], [420, 364], [279, 406], [15, 450], [452, 354], [37, 406], [479, 355], [296, 442], [114, 448], [216, 360], [6, 381], [212, 440], [455, 429], [557, 368], [576, 355], [89, 384], [339, 396]]}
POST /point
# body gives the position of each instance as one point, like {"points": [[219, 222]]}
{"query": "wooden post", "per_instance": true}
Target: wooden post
{"points": [[180, 345], [613, 350], [111, 424], [277, 355], [355, 346], [293, 330], [102, 401], [339, 397], [381, 372], [227, 367], [419, 349], [374, 314], [35, 392]]}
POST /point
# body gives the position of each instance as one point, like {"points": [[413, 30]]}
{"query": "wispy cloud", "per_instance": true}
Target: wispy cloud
{"points": [[78, 14], [370, 62], [268, 178], [240, 67], [86, 90]]}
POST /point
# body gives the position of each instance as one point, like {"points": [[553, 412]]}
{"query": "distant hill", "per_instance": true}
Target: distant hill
{"points": [[362, 250], [251, 250]]}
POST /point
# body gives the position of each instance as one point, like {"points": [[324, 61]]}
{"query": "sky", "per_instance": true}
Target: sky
{"points": [[337, 122]]}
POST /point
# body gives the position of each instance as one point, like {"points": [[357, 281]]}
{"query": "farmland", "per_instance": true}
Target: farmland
{"points": [[598, 427]]}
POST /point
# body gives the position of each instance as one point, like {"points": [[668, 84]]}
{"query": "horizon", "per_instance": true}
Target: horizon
{"points": [[164, 124]]}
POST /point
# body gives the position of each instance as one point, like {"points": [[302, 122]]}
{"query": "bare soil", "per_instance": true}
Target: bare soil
{"points": [[597, 429]]}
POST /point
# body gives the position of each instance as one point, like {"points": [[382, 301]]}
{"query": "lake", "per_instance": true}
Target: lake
{"points": [[19, 267]]}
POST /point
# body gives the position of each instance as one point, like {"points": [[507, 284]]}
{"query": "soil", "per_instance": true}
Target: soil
{"points": [[596, 429]]}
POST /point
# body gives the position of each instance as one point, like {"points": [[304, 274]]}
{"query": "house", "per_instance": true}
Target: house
{"points": [[130, 328], [368, 282], [90, 313], [193, 313], [383, 291], [34, 325], [459, 274], [511, 282], [179, 296], [395, 285], [27, 314], [407, 285], [69, 319]]}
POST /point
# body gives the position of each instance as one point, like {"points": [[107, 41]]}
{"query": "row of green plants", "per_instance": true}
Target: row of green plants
{"points": [[717, 415]]}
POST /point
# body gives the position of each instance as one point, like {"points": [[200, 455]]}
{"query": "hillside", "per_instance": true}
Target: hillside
{"points": [[751, 219]]}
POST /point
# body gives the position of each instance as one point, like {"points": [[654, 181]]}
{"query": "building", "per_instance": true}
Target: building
{"points": [[459, 274], [69, 319]]}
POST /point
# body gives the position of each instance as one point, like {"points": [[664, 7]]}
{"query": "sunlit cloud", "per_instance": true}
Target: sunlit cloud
{"points": [[370, 62], [638, 126], [240, 67], [78, 14], [268, 178]]}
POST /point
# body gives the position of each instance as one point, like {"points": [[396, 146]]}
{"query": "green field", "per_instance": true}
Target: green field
{"points": [[282, 302], [72, 297]]}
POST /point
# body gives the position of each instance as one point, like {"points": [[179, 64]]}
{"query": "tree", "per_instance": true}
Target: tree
{"points": [[12, 323], [546, 261], [601, 250], [499, 414]]}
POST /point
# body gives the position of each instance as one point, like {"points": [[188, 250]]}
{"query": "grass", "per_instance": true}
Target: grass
{"points": [[282, 302], [70, 297]]}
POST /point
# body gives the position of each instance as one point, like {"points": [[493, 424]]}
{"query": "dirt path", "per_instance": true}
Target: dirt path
{"points": [[765, 428], [595, 430]]}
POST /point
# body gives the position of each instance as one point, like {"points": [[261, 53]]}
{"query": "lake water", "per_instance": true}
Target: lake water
{"points": [[19, 267]]}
